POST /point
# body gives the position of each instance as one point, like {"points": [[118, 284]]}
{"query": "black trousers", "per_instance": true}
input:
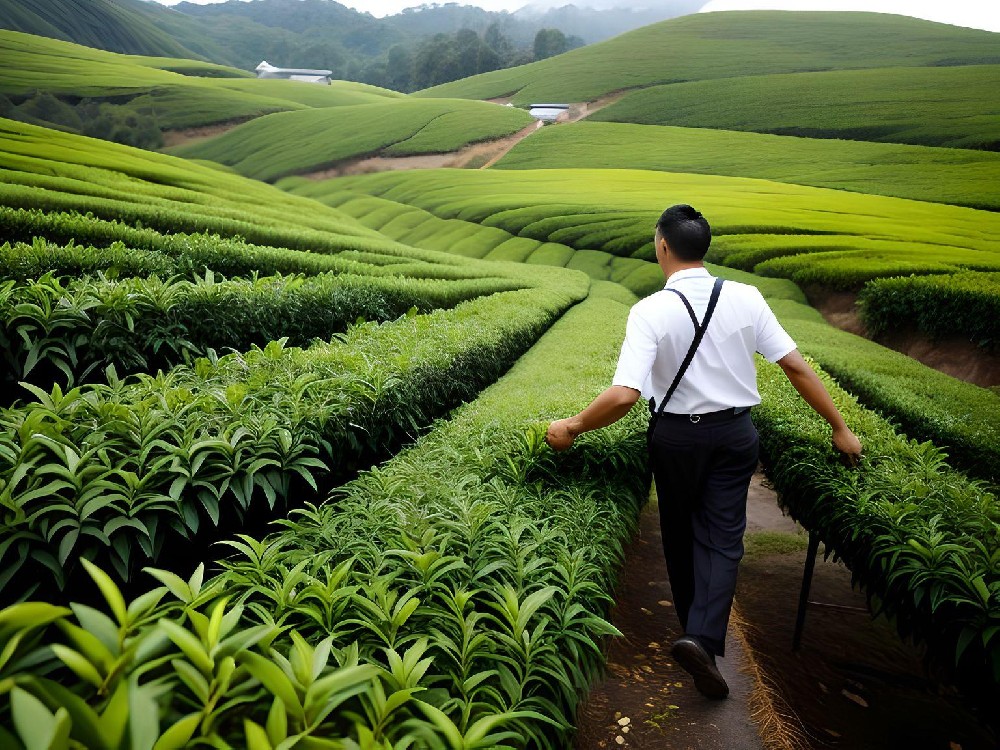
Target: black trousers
{"points": [[702, 473]]}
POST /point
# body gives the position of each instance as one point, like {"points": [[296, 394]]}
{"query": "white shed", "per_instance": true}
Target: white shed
{"points": [[266, 70]]}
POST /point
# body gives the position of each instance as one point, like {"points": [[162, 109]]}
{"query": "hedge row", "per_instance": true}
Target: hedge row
{"points": [[56, 330], [961, 304], [112, 472], [919, 537], [960, 418], [454, 597]]}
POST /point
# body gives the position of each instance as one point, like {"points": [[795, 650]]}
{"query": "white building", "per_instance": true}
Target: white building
{"points": [[266, 70], [547, 112]]}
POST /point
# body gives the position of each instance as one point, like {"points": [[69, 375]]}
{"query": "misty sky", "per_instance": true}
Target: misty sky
{"points": [[982, 14]]}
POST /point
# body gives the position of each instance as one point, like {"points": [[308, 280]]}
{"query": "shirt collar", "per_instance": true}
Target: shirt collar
{"points": [[688, 273]]}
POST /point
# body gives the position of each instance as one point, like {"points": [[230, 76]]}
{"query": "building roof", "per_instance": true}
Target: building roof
{"points": [[266, 67]]}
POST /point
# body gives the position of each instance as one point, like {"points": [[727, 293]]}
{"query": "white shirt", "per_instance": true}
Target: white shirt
{"points": [[722, 373]]}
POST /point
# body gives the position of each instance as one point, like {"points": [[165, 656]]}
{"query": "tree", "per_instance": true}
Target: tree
{"points": [[399, 73], [549, 42]]}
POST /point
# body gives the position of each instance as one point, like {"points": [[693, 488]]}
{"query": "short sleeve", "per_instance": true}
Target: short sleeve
{"points": [[638, 353], [773, 342]]}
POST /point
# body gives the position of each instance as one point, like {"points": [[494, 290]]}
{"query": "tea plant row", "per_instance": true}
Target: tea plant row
{"points": [[961, 419], [113, 472], [962, 304], [919, 537], [928, 106], [60, 330], [454, 597], [963, 177], [831, 238]]}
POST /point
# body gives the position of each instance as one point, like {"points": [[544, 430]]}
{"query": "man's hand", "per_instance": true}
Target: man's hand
{"points": [[559, 436], [849, 446]]}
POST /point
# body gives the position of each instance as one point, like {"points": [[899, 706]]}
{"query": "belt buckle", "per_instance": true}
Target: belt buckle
{"points": [[694, 418]]}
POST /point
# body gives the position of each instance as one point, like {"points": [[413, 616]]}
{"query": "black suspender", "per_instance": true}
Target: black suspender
{"points": [[699, 334]]}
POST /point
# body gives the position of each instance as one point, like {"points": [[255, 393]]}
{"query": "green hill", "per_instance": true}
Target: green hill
{"points": [[937, 106], [962, 177], [113, 25], [722, 45], [72, 86], [294, 142]]}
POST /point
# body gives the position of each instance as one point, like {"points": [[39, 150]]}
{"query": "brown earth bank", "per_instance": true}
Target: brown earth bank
{"points": [[951, 355], [472, 156], [189, 135], [852, 685]]}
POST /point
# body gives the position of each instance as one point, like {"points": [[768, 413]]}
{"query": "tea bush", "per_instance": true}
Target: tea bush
{"points": [[919, 537], [71, 330], [112, 472], [457, 594], [960, 304]]}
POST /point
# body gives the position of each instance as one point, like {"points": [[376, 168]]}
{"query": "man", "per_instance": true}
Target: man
{"points": [[702, 445]]}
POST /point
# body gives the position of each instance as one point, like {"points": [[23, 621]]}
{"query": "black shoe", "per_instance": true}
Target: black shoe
{"points": [[697, 662]]}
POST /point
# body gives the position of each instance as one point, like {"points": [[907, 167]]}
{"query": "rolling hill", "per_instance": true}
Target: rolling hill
{"points": [[175, 93], [962, 177], [294, 142], [114, 25], [933, 106], [723, 45]]}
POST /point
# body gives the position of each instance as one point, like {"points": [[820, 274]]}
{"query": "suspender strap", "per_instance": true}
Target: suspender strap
{"points": [[699, 334]]}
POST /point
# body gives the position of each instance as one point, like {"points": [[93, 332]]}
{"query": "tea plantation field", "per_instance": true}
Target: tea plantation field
{"points": [[311, 140], [272, 467], [724, 45], [963, 177], [177, 93]]}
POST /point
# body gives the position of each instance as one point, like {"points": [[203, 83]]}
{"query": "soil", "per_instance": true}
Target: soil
{"points": [[190, 135], [853, 683], [952, 355]]}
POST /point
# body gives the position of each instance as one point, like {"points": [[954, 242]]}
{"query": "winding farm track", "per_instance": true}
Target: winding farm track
{"points": [[480, 155]]}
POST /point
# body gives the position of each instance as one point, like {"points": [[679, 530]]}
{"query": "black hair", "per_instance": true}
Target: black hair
{"points": [[686, 231]]}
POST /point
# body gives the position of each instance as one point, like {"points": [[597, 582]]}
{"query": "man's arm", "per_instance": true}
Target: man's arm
{"points": [[613, 404], [812, 390]]}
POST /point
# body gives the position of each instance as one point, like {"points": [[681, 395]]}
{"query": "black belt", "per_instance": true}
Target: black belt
{"points": [[723, 415]]}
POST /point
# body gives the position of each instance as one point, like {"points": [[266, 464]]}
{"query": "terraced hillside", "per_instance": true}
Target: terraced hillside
{"points": [[733, 44], [963, 177], [370, 362], [176, 93], [930, 106], [307, 141]]}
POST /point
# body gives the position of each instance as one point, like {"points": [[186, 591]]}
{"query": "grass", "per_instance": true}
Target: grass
{"points": [[311, 140], [963, 177], [763, 543], [724, 45], [942, 106]]}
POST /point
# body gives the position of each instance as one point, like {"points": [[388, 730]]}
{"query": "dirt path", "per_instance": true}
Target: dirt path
{"points": [[853, 684], [647, 701], [474, 156]]}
